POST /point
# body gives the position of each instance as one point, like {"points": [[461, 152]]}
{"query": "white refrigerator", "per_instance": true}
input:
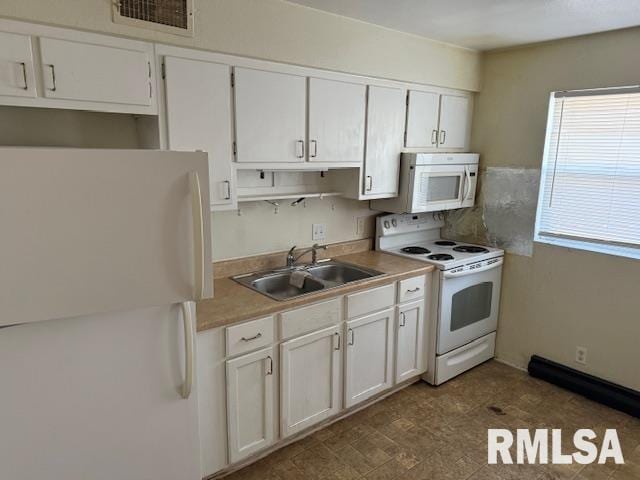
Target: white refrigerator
{"points": [[102, 255]]}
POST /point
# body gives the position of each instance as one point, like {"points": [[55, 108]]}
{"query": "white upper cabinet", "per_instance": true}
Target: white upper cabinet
{"points": [[250, 403], [17, 77], [369, 356], [51, 67], [199, 117], [309, 379], [437, 121], [336, 121], [454, 121], [385, 127], [87, 72], [422, 119], [410, 340], [270, 116]]}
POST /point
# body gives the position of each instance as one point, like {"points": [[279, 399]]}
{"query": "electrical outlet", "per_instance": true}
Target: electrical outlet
{"points": [[318, 232], [581, 355], [360, 225]]}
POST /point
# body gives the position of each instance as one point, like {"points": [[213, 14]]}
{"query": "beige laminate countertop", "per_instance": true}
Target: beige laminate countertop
{"points": [[233, 302]]}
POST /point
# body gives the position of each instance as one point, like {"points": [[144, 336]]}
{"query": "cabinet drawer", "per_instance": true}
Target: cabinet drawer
{"points": [[249, 336], [370, 301], [411, 288], [308, 319]]}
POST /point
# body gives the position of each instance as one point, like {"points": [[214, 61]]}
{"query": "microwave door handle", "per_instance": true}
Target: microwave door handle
{"points": [[467, 183], [464, 273]]}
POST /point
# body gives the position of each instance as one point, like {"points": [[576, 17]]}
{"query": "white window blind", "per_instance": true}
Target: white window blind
{"points": [[590, 183]]}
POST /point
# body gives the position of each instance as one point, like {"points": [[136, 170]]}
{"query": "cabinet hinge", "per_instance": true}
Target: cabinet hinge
{"points": [[235, 150], [233, 79], [163, 70]]}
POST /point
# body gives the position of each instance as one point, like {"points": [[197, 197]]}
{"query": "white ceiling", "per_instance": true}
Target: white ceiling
{"points": [[489, 24]]}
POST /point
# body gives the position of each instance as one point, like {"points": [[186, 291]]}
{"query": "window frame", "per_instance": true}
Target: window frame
{"points": [[562, 241]]}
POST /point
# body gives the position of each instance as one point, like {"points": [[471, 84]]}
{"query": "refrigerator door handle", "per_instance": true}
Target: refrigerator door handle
{"points": [[198, 234], [187, 319]]}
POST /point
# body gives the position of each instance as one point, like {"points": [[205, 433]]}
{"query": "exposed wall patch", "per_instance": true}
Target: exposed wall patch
{"points": [[505, 212]]}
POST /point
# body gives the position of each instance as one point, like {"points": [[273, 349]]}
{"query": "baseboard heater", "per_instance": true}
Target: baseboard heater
{"points": [[599, 390]]}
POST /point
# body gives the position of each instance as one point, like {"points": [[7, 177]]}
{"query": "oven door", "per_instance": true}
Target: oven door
{"points": [[469, 302], [437, 187]]}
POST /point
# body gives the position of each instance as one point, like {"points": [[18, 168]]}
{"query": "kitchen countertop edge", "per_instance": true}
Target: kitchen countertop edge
{"points": [[235, 303]]}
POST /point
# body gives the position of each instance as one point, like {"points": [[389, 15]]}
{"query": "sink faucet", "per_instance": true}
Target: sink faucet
{"points": [[292, 258]]}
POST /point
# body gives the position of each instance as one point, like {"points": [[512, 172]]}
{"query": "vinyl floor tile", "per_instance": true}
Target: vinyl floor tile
{"points": [[432, 433]]}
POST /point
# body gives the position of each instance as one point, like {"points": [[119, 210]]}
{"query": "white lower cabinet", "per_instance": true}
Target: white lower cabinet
{"points": [[409, 341], [250, 404], [309, 379], [296, 369], [369, 356]]}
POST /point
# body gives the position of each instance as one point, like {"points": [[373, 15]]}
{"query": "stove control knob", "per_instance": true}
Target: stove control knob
{"points": [[394, 222], [386, 224]]}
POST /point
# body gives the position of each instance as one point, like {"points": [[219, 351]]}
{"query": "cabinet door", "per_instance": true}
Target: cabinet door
{"points": [[250, 403], [454, 120], [385, 127], [309, 379], [82, 71], [16, 66], [198, 102], [422, 119], [336, 121], [369, 356], [409, 340], [270, 116]]}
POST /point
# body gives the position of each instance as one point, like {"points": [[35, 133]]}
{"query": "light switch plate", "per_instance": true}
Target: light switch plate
{"points": [[318, 232]]}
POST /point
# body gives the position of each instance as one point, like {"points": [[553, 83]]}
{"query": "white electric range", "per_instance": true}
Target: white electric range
{"points": [[465, 291]]}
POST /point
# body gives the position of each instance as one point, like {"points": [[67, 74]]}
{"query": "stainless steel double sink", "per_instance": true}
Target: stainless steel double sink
{"points": [[321, 276]]}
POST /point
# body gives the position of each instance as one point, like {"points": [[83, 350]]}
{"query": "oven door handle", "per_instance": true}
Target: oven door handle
{"points": [[475, 270]]}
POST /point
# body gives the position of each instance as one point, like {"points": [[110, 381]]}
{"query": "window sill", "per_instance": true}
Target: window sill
{"points": [[591, 247]]}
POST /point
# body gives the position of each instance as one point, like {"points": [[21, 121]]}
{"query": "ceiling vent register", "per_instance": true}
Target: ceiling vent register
{"points": [[170, 16]]}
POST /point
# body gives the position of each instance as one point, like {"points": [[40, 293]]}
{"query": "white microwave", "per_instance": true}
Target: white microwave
{"points": [[431, 182]]}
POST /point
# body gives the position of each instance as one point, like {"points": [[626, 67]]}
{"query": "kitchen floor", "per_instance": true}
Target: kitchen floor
{"points": [[424, 432]]}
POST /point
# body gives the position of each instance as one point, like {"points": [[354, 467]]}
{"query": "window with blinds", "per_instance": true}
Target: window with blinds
{"points": [[590, 180]]}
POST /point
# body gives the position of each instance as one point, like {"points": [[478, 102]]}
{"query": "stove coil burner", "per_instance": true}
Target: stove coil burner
{"points": [[445, 243], [470, 249], [440, 257], [415, 250]]}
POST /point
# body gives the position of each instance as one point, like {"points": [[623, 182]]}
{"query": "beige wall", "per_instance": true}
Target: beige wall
{"points": [[260, 230], [276, 30], [558, 298]]}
